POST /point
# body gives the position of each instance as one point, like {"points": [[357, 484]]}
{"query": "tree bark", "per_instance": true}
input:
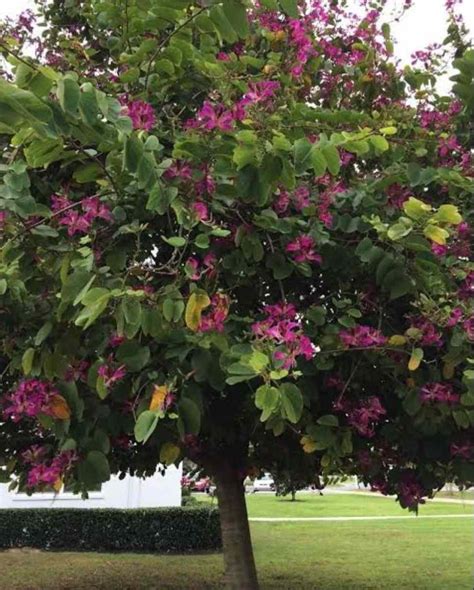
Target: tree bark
{"points": [[240, 570]]}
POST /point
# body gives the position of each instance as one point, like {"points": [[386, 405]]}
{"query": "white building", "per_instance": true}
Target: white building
{"points": [[130, 492]]}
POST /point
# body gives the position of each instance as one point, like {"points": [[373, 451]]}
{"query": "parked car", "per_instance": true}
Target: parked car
{"points": [[202, 485], [263, 484]]}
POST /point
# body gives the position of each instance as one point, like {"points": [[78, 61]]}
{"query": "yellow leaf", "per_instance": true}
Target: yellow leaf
{"points": [[169, 453], [158, 397], [197, 302], [58, 484], [448, 370], [415, 359], [308, 444], [59, 408], [436, 234], [448, 214], [397, 340]]}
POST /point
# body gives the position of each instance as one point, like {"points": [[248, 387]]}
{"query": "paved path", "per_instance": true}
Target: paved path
{"points": [[375, 495], [354, 518]]}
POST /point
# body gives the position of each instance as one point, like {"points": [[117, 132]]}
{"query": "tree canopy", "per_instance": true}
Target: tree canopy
{"points": [[228, 228]]}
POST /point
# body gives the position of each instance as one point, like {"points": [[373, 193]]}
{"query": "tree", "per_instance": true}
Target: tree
{"points": [[226, 226]]}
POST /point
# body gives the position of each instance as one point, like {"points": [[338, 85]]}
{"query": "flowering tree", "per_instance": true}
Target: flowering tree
{"points": [[228, 228]]}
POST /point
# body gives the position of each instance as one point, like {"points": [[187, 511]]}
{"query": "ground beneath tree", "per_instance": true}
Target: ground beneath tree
{"points": [[408, 554]]}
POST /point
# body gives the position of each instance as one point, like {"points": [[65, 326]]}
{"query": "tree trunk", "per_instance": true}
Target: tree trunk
{"points": [[240, 571], [293, 495]]}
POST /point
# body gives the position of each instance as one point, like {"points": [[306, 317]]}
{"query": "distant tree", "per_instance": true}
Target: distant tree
{"points": [[233, 230]]}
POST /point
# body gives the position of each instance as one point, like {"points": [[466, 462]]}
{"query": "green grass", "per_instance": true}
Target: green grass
{"points": [[413, 554], [308, 505]]}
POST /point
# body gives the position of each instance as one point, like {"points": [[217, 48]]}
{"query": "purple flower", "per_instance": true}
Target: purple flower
{"points": [[31, 398], [468, 326], [302, 250], [110, 373], [364, 417], [200, 210], [211, 117], [455, 317], [362, 337], [142, 114], [442, 393]]}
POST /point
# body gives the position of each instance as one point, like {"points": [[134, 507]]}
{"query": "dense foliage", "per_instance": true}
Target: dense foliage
{"points": [[229, 227], [162, 530]]}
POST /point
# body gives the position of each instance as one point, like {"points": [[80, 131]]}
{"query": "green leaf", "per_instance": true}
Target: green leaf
{"points": [[379, 143], [43, 333], [69, 94], [416, 209], [318, 162], [292, 402], [175, 241], [332, 158], [267, 398], [169, 453], [290, 7], [190, 414], [42, 152], [145, 425], [95, 469], [303, 149], [237, 16], [258, 361], [27, 360], [133, 355], [448, 214], [133, 152], [328, 420], [436, 234], [222, 24]]}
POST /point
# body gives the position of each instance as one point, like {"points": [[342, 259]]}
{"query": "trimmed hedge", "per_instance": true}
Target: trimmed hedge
{"points": [[162, 530]]}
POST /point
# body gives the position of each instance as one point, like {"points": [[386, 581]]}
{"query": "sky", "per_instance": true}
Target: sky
{"points": [[424, 24]]}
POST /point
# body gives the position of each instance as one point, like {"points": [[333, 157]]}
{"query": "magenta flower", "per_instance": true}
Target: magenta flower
{"points": [[75, 222], [364, 417], [200, 210], [442, 393], [94, 208], [179, 169], [302, 250], [111, 374], [142, 114], [31, 398], [362, 337], [468, 326], [211, 117], [463, 450], [284, 328], [192, 268], [410, 492], [214, 320], [50, 472], [430, 336], [455, 317], [77, 371], [116, 340], [3, 218]]}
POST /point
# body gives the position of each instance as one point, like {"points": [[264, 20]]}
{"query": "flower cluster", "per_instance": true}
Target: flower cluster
{"points": [[142, 114], [196, 270], [210, 117], [409, 491], [299, 199], [47, 472], [364, 417], [68, 215], [214, 320], [111, 372], [362, 337], [429, 334], [442, 393], [302, 250], [463, 449], [283, 327], [31, 398]]}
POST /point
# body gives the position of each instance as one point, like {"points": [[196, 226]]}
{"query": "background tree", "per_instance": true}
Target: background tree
{"points": [[228, 226]]}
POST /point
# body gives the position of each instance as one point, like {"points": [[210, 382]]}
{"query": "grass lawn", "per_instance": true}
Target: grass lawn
{"points": [[310, 504], [413, 554]]}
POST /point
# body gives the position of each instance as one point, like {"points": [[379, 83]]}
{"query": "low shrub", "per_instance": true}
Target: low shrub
{"points": [[162, 530]]}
